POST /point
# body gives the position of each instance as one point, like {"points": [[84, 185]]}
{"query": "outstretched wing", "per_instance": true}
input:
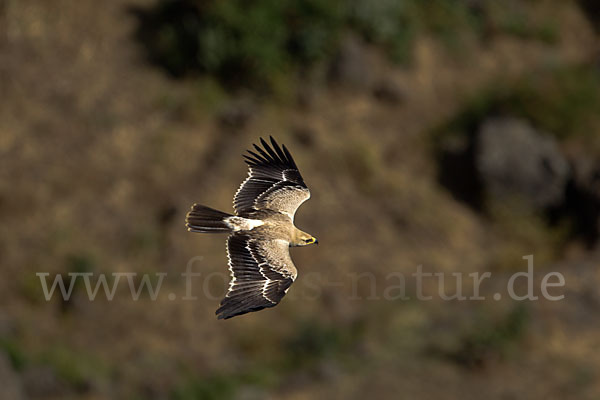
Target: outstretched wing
{"points": [[261, 273], [273, 182]]}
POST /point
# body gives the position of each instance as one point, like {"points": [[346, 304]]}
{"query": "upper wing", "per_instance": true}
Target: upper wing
{"points": [[261, 273], [273, 182]]}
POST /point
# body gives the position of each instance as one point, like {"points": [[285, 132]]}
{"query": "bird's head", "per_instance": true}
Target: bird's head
{"points": [[304, 239]]}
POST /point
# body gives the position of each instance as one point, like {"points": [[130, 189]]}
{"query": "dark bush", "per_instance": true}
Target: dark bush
{"points": [[253, 43], [243, 43]]}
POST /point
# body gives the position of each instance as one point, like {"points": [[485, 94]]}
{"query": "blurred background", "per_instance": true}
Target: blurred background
{"points": [[456, 135]]}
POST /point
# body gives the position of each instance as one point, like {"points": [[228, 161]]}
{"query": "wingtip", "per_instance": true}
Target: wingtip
{"points": [[281, 155], [289, 157], [264, 143], [272, 157], [271, 152], [221, 313], [260, 158]]}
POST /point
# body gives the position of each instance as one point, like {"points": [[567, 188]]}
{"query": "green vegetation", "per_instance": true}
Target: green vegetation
{"points": [[240, 42], [80, 262], [15, 353], [518, 21], [564, 102], [385, 23], [213, 388], [29, 288], [253, 44], [75, 367], [486, 340], [522, 230], [313, 342], [492, 341]]}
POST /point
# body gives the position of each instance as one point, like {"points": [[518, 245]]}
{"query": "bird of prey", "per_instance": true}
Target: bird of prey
{"points": [[261, 230]]}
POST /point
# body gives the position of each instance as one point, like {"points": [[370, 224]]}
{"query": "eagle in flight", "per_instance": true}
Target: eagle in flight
{"points": [[261, 231]]}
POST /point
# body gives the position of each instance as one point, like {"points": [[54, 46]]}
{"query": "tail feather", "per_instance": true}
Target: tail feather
{"points": [[206, 220]]}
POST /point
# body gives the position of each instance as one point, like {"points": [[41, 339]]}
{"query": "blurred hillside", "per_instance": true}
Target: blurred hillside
{"points": [[459, 136]]}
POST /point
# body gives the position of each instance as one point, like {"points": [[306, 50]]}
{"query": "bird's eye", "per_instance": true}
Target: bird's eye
{"points": [[308, 240]]}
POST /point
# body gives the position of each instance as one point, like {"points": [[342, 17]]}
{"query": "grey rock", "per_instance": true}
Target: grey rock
{"points": [[515, 160]]}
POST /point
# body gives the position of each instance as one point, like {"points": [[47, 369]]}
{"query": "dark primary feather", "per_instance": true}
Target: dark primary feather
{"points": [[251, 271], [270, 165]]}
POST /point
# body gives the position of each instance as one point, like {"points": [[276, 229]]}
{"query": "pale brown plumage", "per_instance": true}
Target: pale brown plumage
{"points": [[262, 230]]}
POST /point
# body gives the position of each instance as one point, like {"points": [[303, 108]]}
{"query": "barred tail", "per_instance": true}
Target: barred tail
{"points": [[206, 220]]}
